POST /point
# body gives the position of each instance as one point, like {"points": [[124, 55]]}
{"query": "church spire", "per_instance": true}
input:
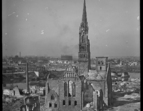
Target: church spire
{"points": [[84, 44], [84, 15]]}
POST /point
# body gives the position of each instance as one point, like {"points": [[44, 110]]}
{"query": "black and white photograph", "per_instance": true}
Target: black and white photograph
{"points": [[71, 55]]}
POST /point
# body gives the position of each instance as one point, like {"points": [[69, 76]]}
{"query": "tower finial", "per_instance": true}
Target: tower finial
{"points": [[84, 15]]}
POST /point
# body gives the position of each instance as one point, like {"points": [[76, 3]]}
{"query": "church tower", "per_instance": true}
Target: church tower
{"points": [[84, 44]]}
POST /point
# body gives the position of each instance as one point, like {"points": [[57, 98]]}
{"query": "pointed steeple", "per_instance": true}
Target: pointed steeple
{"points": [[84, 15]]}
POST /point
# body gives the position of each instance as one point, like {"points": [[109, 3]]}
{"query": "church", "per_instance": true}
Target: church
{"points": [[80, 85]]}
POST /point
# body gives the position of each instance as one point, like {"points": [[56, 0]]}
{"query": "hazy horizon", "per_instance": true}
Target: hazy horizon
{"points": [[51, 27]]}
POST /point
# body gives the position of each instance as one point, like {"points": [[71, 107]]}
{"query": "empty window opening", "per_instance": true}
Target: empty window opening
{"points": [[55, 105], [50, 104], [52, 97], [102, 63], [75, 103], [14, 92], [69, 95], [100, 68], [70, 88], [74, 89], [69, 102], [64, 103], [65, 89], [48, 87]]}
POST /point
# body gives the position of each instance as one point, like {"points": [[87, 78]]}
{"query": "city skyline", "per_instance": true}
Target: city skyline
{"points": [[51, 27]]}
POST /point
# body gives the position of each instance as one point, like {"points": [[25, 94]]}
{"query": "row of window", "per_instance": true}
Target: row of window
{"points": [[70, 75], [69, 69], [69, 102], [83, 56], [69, 89], [101, 63], [53, 105]]}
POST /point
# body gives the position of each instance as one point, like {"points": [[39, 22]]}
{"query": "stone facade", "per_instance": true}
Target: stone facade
{"points": [[66, 92]]}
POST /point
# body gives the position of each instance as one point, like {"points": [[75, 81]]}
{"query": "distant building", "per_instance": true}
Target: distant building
{"points": [[133, 63], [67, 57]]}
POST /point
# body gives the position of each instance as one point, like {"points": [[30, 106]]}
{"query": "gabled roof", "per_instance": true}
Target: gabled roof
{"points": [[71, 72], [55, 74]]}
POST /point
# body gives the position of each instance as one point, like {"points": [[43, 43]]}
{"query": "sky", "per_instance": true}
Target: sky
{"points": [[51, 27]]}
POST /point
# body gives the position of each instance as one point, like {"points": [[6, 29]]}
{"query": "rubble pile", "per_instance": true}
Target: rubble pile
{"points": [[132, 85], [89, 107], [93, 74], [126, 95], [134, 96], [12, 104]]}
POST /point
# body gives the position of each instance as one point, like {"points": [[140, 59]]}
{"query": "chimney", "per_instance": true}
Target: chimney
{"points": [[27, 78]]}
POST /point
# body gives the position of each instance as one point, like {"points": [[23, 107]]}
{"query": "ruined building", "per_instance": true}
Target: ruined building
{"points": [[79, 84]]}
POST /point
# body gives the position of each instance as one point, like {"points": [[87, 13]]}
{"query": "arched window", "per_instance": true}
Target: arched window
{"points": [[73, 89], [69, 102], [48, 88], [14, 92], [70, 88], [65, 89], [50, 104], [75, 103], [64, 102], [52, 97], [55, 105]]}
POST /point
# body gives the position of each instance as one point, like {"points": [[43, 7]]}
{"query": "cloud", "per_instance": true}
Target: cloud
{"points": [[26, 19], [27, 13], [16, 15]]}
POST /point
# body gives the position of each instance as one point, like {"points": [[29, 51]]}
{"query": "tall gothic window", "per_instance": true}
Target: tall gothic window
{"points": [[74, 89], [70, 88], [65, 89]]}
